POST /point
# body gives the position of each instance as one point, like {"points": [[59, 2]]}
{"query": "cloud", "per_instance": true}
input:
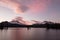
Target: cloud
{"points": [[39, 5], [20, 6], [14, 5]]}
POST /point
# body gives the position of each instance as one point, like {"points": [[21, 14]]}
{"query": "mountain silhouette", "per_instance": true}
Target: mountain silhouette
{"points": [[19, 22]]}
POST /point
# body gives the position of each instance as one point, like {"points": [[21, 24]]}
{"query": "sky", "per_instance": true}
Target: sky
{"points": [[40, 10]]}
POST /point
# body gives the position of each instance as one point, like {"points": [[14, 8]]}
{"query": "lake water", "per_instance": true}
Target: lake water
{"points": [[32, 34]]}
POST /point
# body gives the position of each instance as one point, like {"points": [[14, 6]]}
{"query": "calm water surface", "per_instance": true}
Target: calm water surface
{"points": [[32, 34]]}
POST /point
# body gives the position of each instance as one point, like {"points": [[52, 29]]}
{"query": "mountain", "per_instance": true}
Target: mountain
{"points": [[47, 22], [16, 23], [19, 20]]}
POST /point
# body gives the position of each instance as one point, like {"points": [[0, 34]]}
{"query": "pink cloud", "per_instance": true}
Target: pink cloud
{"points": [[20, 6], [39, 5], [12, 4]]}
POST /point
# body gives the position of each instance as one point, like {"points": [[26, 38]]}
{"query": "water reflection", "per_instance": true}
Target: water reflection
{"points": [[32, 34]]}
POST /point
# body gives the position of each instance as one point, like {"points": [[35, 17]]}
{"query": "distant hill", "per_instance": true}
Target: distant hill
{"points": [[7, 25], [44, 24]]}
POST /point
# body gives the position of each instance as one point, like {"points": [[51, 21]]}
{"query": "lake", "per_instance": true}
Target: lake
{"points": [[32, 34]]}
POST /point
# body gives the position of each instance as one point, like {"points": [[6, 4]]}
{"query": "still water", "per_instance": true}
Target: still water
{"points": [[32, 34]]}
